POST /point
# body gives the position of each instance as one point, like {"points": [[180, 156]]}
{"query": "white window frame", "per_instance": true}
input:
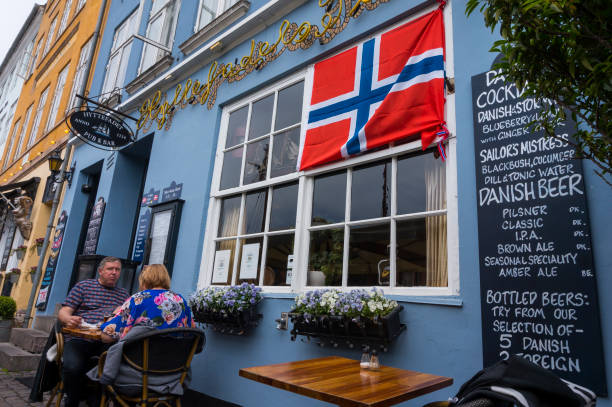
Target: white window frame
{"points": [[64, 21], [222, 6], [79, 75], [306, 184], [42, 101], [57, 97], [26, 60], [168, 30], [121, 51], [50, 35], [35, 57], [80, 5], [24, 129], [7, 159]]}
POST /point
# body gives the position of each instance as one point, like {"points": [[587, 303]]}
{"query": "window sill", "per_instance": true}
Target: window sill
{"points": [[150, 74], [215, 26], [450, 301]]}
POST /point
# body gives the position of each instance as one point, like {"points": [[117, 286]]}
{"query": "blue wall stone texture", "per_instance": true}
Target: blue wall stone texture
{"points": [[442, 337]]}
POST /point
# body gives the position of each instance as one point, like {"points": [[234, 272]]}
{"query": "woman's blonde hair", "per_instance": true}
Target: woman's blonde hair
{"points": [[154, 275]]}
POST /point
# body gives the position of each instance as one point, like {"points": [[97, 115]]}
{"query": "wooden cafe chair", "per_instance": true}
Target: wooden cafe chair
{"points": [[154, 353]]}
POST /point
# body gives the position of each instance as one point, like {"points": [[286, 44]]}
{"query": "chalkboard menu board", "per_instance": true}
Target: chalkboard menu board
{"points": [[538, 287], [49, 274]]}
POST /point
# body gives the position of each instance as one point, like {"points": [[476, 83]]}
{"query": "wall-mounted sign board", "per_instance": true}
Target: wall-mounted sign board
{"points": [[538, 287]]}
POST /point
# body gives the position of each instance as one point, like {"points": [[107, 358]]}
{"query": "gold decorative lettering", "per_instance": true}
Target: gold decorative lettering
{"points": [[261, 53]]}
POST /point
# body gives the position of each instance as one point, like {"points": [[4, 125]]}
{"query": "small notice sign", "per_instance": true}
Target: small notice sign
{"points": [[221, 266]]}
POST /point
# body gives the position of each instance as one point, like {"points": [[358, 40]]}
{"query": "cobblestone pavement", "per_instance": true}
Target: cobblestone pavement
{"points": [[15, 394]]}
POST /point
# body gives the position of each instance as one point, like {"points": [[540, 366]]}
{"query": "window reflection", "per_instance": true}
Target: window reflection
{"points": [[289, 106], [230, 173], [369, 262], [236, 127], [371, 191], [422, 252], [285, 152], [256, 163], [255, 212], [329, 199], [325, 257], [280, 247], [261, 117], [284, 207], [228, 218], [421, 183]]}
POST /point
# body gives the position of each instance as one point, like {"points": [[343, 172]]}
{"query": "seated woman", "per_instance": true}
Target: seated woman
{"points": [[155, 306]]}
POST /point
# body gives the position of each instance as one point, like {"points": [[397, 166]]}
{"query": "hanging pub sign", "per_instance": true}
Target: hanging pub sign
{"points": [[100, 129]]}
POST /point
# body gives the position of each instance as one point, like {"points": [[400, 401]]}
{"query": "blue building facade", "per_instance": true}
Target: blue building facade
{"points": [[240, 196]]}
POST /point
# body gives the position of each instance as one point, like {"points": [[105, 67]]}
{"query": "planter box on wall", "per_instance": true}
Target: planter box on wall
{"points": [[235, 323], [340, 330]]}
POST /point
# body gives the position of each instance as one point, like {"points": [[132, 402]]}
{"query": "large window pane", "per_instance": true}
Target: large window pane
{"points": [[230, 173], [236, 127], [255, 212], [284, 207], [228, 218], [325, 257], [289, 106], [421, 184], [256, 163], [285, 152], [261, 117], [250, 260], [329, 199], [369, 255], [207, 12], [154, 33], [278, 262], [422, 252], [371, 191]]}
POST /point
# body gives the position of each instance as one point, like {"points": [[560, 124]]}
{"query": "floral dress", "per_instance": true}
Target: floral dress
{"points": [[158, 308]]}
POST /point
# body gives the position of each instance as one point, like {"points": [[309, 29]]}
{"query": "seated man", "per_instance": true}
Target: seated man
{"points": [[89, 301]]}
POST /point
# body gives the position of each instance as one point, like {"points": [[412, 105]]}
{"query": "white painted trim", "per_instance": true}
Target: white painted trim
{"points": [[306, 187]]}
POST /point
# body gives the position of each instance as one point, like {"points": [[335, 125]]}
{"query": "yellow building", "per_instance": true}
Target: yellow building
{"points": [[63, 53]]}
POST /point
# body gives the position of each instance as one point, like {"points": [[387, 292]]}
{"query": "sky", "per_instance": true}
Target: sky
{"points": [[12, 17]]}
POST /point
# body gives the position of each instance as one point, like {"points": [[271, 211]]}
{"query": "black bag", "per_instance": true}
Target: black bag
{"points": [[47, 374], [519, 382]]}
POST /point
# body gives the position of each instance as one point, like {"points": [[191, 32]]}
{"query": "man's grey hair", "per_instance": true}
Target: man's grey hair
{"points": [[108, 259]]}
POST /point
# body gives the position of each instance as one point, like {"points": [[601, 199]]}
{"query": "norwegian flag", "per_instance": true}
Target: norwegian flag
{"points": [[388, 88]]}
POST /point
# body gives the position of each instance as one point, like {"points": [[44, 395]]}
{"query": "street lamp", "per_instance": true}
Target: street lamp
{"points": [[55, 164]]}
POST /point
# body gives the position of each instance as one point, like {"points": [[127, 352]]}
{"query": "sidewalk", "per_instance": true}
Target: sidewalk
{"points": [[15, 394]]}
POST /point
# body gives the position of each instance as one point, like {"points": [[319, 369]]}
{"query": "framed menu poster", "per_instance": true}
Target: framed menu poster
{"points": [[163, 233]]}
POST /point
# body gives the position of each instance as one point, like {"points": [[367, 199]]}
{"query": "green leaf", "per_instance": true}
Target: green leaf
{"points": [[586, 64]]}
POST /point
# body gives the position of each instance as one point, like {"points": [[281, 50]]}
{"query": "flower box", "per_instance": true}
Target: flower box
{"points": [[354, 325], [39, 243], [14, 275], [230, 310], [20, 251], [234, 323]]}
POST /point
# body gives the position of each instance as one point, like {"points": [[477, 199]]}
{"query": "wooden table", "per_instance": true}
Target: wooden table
{"points": [[94, 334], [341, 381]]}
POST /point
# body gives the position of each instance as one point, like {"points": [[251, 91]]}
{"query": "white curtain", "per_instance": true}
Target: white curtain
{"points": [[435, 226]]}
